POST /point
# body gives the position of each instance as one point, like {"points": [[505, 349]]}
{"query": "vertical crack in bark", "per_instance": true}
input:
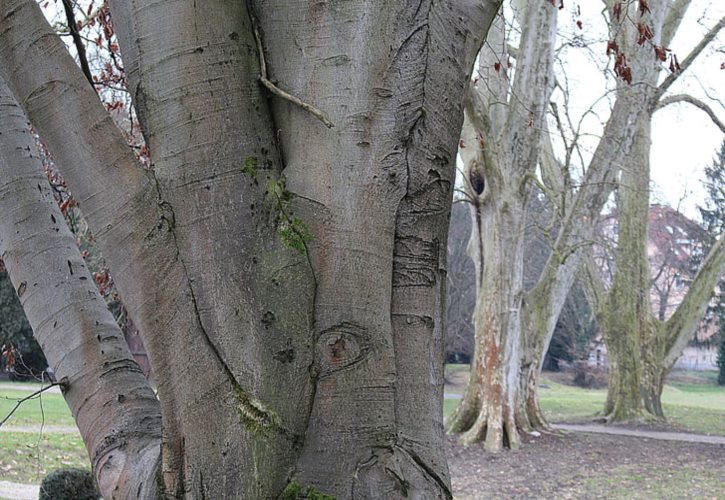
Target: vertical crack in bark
{"points": [[163, 204], [481, 262], [256, 417]]}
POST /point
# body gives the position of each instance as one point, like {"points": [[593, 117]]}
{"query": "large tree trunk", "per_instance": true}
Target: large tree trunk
{"points": [[486, 412], [500, 148], [314, 364], [628, 324]]}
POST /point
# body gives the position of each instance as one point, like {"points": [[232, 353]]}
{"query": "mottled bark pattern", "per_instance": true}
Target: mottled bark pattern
{"points": [[500, 150], [642, 349]]}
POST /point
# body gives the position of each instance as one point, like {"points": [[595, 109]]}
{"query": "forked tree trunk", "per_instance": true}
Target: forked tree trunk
{"points": [[499, 148], [285, 363], [641, 348]]}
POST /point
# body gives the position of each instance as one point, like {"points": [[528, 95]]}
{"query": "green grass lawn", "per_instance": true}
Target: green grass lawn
{"points": [[27, 457], [48, 406], [697, 407]]}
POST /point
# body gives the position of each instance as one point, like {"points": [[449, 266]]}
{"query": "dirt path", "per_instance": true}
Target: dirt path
{"points": [[620, 431], [592, 466], [18, 491]]}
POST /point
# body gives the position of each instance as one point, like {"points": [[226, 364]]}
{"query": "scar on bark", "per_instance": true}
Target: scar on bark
{"points": [[278, 91]]}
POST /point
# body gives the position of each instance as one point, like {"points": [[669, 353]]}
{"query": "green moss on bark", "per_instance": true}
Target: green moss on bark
{"points": [[295, 491]]}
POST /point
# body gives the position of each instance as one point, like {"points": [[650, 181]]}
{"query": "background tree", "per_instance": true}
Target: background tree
{"points": [[285, 271], [641, 348], [713, 217], [460, 288], [578, 202], [496, 106]]}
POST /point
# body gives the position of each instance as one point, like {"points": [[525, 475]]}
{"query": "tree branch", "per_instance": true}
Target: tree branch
{"points": [[683, 323], [687, 61], [82, 59], [672, 99], [115, 409], [672, 22], [62, 383], [278, 91], [592, 283]]}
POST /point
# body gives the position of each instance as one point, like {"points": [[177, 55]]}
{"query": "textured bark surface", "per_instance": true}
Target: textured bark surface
{"points": [[309, 366], [78, 334]]}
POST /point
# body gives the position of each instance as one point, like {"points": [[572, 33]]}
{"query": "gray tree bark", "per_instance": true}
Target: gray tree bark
{"points": [[76, 331], [286, 364]]}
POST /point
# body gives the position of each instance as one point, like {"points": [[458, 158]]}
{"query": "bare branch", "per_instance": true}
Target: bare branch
{"points": [[18, 402], [278, 91], [681, 326], [673, 99], [687, 61]]}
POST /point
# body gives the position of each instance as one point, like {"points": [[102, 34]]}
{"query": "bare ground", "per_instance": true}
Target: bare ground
{"points": [[578, 465]]}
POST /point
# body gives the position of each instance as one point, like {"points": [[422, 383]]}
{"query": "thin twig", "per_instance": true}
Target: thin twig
{"points": [[278, 91], [31, 396], [70, 16]]}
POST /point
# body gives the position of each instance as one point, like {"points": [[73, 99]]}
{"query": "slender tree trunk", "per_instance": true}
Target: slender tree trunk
{"points": [[124, 446]]}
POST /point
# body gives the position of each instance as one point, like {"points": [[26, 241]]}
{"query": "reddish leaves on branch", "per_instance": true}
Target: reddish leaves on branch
{"points": [[644, 33], [8, 356], [103, 281], [622, 68], [617, 11], [643, 7], [674, 64], [661, 53], [69, 202], [612, 47]]}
